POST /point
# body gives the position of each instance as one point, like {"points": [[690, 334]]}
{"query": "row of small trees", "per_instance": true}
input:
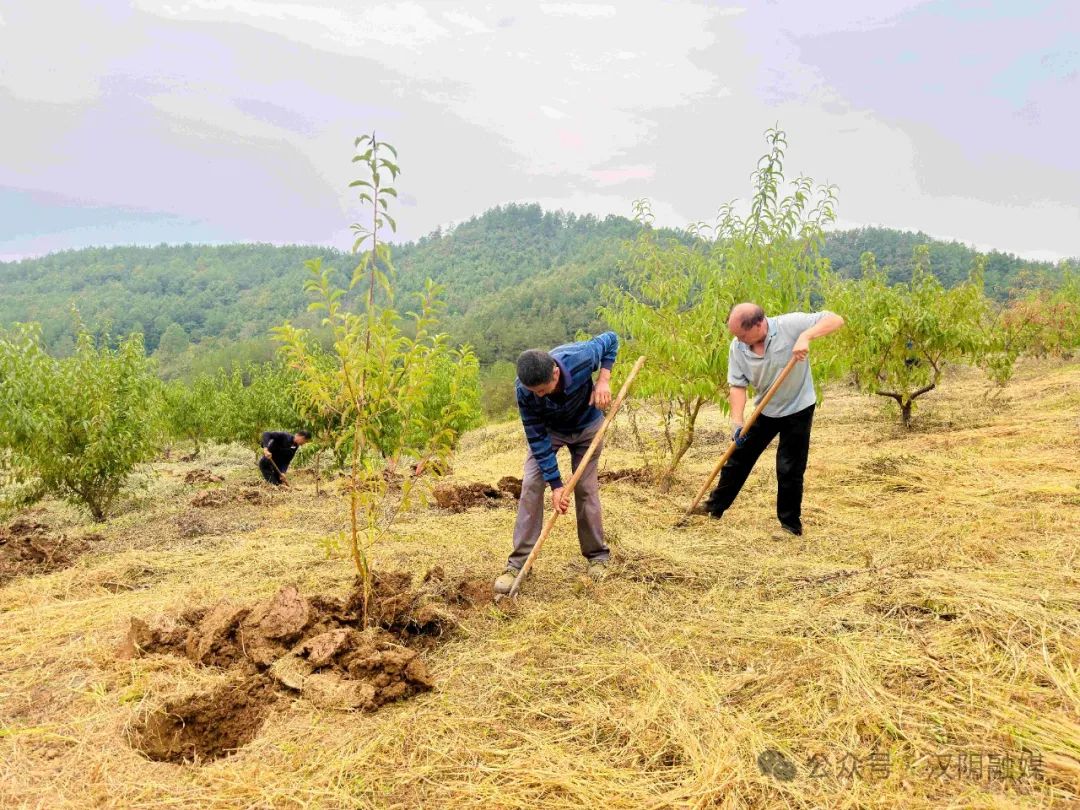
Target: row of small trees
{"points": [[77, 427], [898, 339], [389, 396], [386, 388]]}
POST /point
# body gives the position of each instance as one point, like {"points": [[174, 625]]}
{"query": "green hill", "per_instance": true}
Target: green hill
{"points": [[515, 276], [950, 261]]}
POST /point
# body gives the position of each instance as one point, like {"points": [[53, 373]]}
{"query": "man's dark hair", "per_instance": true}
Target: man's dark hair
{"points": [[304, 433], [535, 367], [751, 319]]}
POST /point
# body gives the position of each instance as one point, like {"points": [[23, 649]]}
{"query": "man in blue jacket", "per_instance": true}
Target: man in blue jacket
{"points": [[560, 407]]}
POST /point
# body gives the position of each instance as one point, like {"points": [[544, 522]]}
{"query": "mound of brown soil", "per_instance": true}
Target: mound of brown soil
{"points": [[511, 486], [210, 498], [321, 647], [28, 548], [202, 477], [206, 726], [349, 669], [459, 498], [631, 475]]}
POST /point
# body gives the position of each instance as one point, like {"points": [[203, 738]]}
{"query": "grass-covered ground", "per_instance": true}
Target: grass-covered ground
{"points": [[919, 647]]}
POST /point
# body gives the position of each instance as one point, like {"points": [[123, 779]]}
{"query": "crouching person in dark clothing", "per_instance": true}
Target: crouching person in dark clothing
{"points": [[278, 449]]}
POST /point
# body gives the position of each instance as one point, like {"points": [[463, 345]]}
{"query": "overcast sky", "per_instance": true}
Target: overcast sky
{"points": [[136, 121]]}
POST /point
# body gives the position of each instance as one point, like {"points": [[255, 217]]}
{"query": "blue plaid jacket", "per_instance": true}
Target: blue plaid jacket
{"points": [[566, 410]]}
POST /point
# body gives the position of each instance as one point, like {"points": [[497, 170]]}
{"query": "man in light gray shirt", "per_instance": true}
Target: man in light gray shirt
{"points": [[759, 351]]}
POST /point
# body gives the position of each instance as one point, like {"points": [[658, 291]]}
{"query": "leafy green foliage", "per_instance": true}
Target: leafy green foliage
{"points": [[76, 427], [390, 393], [1045, 313], [672, 310], [674, 304], [232, 407], [899, 339], [515, 277]]}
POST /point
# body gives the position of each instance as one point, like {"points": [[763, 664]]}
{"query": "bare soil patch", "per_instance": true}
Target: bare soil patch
{"points": [[510, 485], [319, 647], [631, 475], [459, 497], [28, 548]]}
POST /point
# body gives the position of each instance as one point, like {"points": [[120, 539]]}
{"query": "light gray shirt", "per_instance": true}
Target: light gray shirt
{"points": [[746, 368]]}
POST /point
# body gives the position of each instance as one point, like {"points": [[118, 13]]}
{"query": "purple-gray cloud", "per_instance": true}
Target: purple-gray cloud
{"points": [[233, 119]]}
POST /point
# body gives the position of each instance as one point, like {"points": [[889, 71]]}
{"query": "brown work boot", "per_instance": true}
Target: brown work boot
{"points": [[505, 580]]}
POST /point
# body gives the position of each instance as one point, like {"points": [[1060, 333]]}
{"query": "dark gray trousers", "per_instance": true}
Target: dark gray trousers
{"points": [[533, 507]]}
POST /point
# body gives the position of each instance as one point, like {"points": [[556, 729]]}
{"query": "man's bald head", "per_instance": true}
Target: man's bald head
{"points": [[744, 317]]}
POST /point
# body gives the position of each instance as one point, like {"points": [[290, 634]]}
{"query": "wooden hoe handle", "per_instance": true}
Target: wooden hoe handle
{"points": [[731, 447]]}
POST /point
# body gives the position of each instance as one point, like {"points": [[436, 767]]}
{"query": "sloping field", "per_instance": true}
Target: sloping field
{"points": [[918, 648]]}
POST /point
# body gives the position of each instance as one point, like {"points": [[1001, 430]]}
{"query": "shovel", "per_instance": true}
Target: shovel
{"points": [[574, 480], [731, 448]]}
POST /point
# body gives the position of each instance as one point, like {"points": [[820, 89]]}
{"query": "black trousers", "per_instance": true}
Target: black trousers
{"points": [[791, 455], [266, 467]]}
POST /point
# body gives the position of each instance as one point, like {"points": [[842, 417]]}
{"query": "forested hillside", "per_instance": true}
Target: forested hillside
{"points": [[515, 277], [950, 261]]}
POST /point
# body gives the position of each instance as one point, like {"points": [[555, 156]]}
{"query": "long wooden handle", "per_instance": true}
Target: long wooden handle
{"points": [[577, 474], [746, 426], [281, 475]]}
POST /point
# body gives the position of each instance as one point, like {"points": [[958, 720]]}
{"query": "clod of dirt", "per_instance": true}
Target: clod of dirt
{"points": [[460, 498], [207, 726], [267, 632], [213, 642], [632, 475], [315, 646], [394, 605], [210, 497], [472, 592], [349, 669], [202, 477], [163, 634], [469, 592], [511, 486], [28, 548]]}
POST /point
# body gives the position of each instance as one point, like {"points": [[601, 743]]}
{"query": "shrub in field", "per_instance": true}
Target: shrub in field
{"points": [[1046, 314], [674, 301], [389, 386], [76, 427], [256, 398], [231, 407], [673, 310], [899, 339], [190, 411]]}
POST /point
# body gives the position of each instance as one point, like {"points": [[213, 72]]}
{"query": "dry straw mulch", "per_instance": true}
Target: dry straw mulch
{"points": [[917, 648]]}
